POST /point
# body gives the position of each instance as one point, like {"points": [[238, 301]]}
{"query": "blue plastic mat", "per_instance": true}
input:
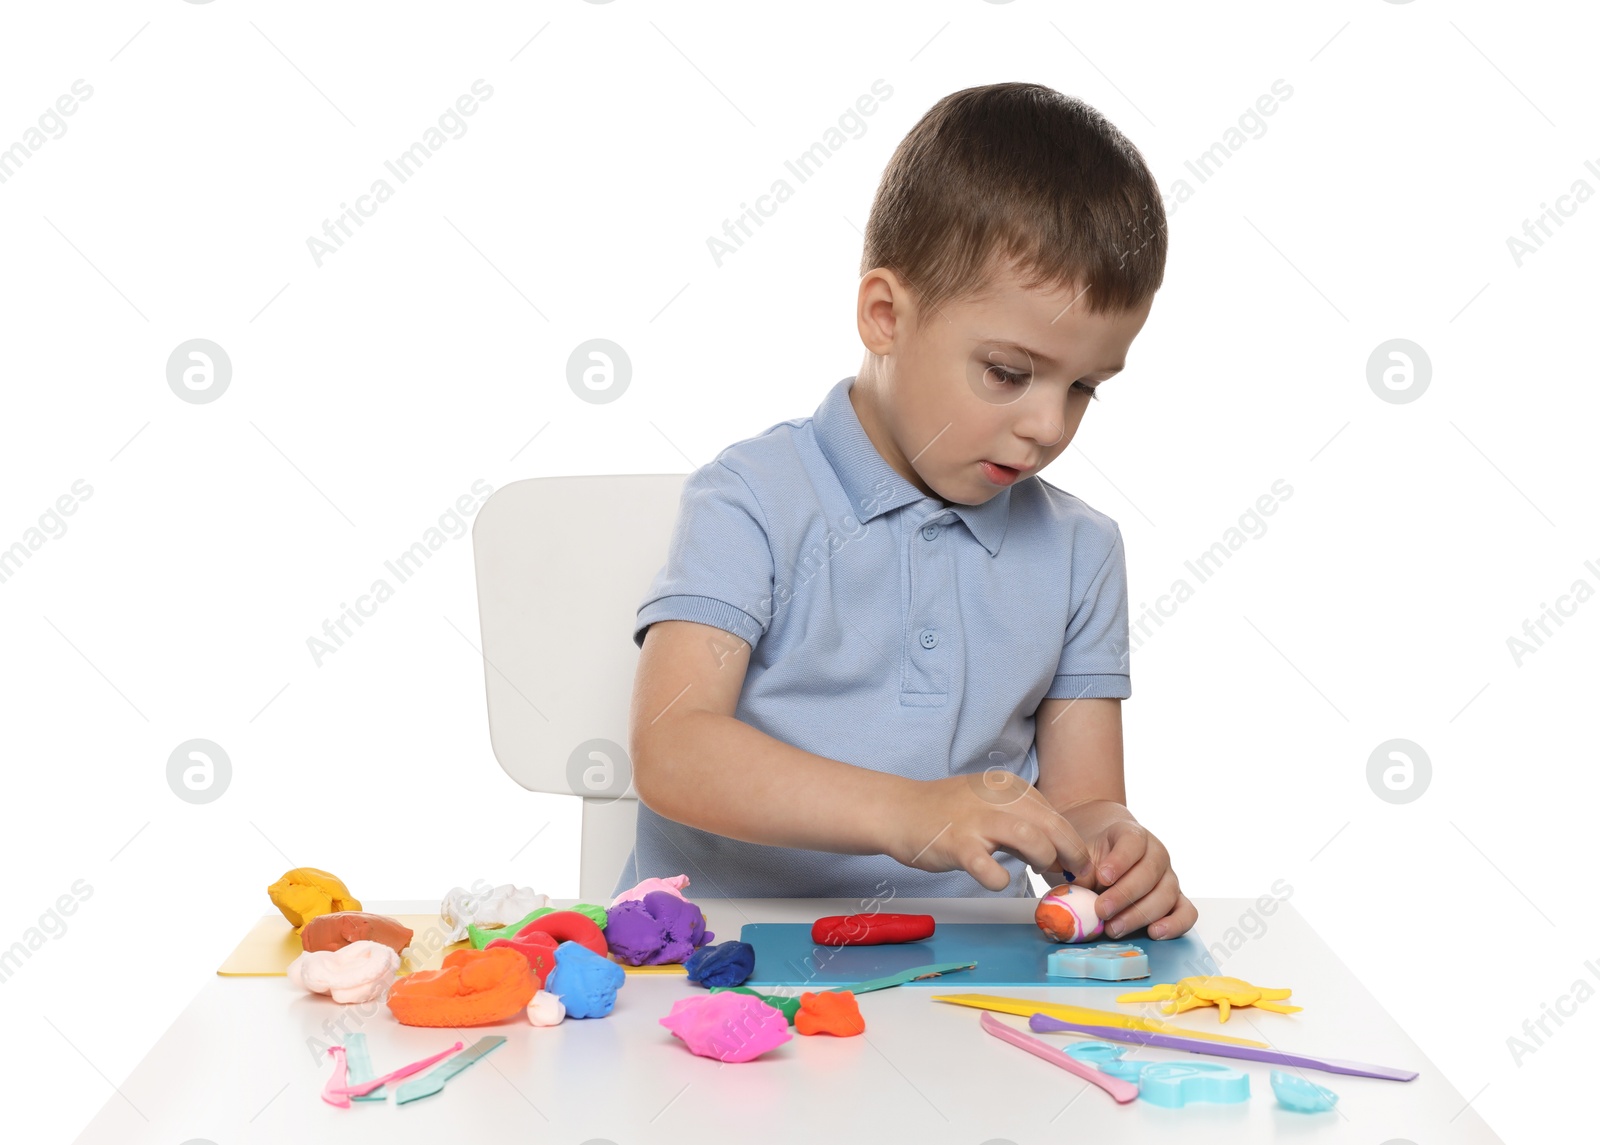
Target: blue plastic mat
{"points": [[1007, 954]]}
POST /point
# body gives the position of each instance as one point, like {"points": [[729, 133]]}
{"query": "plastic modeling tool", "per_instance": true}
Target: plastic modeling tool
{"points": [[434, 1081], [366, 1087], [333, 1090], [1172, 1085], [933, 970], [1300, 1095], [358, 1065], [1043, 1021], [1027, 1007], [1122, 1091], [1107, 961]]}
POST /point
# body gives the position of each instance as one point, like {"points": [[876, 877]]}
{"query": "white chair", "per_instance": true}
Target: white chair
{"points": [[562, 564]]}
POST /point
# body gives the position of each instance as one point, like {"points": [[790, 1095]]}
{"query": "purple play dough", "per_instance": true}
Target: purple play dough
{"points": [[658, 929]]}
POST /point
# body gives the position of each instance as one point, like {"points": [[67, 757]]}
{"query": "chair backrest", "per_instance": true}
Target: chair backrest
{"points": [[562, 564]]}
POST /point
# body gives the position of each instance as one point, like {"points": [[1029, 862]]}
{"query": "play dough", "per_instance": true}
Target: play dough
{"points": [[1218, 991], [494, 907], [546, 1009], [473, 987], [789, 1007], [586, 983], [728, 1026], [537, 947], [673, 886], [658, 929], [305, 892], [481, 936], [1066, 914], [871, 929], [830, 1012], [726, 964], [357, 972], [342, 927]]}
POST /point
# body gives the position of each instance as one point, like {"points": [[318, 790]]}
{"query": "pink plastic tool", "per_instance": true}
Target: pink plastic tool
{"points": [[332, 1092], [1122, 1091]]}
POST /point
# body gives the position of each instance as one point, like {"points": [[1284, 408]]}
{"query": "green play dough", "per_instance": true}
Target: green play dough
{"points": [[481, 938], [789, 1006]]}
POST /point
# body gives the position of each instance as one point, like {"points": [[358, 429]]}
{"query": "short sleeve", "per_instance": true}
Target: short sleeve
{"points": [[719, 568], [1095, 650]]}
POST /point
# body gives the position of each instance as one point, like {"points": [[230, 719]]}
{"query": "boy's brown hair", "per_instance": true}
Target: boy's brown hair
{"points": [[1018, 171]]}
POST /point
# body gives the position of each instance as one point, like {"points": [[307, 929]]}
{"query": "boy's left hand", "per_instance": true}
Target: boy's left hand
{"points": [[1135, 880]]}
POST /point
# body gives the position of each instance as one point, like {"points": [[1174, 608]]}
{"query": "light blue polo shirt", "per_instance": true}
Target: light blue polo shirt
{"points": [[888, 630]]}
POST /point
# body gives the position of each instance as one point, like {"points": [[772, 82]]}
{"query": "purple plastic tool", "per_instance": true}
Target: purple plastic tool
{"points": [[1223, 1050]]}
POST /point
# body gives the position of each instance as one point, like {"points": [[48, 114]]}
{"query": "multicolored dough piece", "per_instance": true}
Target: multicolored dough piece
{"points": [[1066, 914], [871, 929], [1105, 961]]}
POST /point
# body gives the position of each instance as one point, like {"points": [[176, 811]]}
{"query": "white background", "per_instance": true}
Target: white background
{"points": [[369, 393]]}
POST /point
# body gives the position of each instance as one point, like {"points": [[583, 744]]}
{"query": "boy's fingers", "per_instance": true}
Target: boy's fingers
{"points": [[1035, 845], [989, 874], [1136, 882], [1183, 916], [1144, 911], [1129, 842]]}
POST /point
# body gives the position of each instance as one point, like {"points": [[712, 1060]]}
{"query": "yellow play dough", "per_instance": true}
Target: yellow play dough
{"points": [[1218, 991], [305, 893]]}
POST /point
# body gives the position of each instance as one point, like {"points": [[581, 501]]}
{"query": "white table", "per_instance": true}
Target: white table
{"points": [[236, 1068]]}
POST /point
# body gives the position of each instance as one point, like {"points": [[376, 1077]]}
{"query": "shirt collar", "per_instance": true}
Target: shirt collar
{"points": [[872, 484]]}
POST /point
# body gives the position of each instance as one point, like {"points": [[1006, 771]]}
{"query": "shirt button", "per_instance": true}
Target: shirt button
{"points": [[928, 637], [929, 532]]}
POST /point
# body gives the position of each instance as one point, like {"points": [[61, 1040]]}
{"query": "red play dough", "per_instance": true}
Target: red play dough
{"points": [[537, 947], [568, 926], [871, 929]]}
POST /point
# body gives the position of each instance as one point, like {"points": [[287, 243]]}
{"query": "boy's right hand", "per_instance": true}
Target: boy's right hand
{"points": [[958, 823]]}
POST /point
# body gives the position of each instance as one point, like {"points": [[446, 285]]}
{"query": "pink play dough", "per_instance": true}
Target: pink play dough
{"points": [[729, 1026]]}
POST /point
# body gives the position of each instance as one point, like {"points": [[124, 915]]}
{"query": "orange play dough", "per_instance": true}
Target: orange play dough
{"points": [[471, 988], [830, 1012]]}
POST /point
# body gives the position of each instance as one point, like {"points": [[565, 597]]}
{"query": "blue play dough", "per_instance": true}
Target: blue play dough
{"points": [[725, 964], [1300, 1095], [586, 983]]}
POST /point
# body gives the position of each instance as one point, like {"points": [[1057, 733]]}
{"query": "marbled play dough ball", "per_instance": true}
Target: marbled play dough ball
{"points": [[1066, 914]]}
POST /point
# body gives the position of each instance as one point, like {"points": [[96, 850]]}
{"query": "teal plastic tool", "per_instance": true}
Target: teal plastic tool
{"points": [[433, 1081], [1300, 1095], [358, 1067], [1006, 953], [910, 975]]}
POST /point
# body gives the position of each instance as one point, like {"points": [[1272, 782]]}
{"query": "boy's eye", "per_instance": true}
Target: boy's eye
{"points": [[1011, 378], [1007, 377]]}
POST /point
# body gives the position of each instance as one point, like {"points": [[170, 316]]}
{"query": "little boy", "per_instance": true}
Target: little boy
{"points": [[884, 657]]}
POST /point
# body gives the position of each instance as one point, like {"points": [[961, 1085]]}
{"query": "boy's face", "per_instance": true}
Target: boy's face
{"points": [[988, 390]]}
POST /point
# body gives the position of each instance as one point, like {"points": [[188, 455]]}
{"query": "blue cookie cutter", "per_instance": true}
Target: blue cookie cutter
{"points": [[1300, 1095], [1107, 961], [1173, 1085]]}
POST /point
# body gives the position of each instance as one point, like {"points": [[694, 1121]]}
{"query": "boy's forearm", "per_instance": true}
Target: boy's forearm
{"points": [[719, 774]]}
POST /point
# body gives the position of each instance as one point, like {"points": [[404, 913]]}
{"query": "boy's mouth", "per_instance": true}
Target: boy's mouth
{"points": [[999, 474]]}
